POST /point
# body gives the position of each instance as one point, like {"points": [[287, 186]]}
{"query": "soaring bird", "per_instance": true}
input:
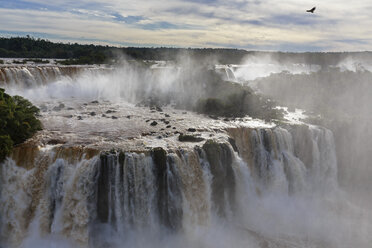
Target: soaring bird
{"points": [[311, 10]]}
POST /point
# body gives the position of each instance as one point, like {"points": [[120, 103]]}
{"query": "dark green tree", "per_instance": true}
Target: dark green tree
{"points": [[18, 121]]}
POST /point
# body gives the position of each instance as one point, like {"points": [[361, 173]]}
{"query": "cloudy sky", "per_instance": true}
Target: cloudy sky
{"points": [[249, 24]]}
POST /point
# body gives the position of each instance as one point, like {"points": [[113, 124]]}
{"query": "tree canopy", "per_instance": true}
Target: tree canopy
{"points": [[18, 121], [74, 53]]}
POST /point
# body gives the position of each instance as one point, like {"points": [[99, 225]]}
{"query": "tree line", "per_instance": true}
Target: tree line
{"points": [[74, 53]]}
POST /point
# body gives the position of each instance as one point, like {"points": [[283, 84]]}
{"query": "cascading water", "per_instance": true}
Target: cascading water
{"points": [[115, 197], [31, 76], [243, 186]]}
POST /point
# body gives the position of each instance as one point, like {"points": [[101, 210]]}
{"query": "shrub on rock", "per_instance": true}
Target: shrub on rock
{"points": [[18, 121]]}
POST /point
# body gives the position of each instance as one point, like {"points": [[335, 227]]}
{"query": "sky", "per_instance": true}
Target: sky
{"points": [[271, 25]]}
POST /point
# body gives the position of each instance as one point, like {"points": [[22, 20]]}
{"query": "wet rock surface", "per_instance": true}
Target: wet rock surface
{"points": [[189, 138], [59, 107], [93, 125], [220, 159]]}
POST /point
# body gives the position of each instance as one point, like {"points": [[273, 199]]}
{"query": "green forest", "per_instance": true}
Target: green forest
{"points": [[74, 53]]}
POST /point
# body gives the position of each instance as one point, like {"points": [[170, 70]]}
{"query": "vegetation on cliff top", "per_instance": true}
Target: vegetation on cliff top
{"points": [[18, 122], [29, 47]]}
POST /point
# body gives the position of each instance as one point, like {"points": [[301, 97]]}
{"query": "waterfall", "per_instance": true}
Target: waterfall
{"points": [[226, 73], [295, 160], [32, 76], [82, 198]]}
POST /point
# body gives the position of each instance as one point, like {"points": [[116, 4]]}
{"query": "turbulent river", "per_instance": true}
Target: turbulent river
{"points": [[101, 174]]}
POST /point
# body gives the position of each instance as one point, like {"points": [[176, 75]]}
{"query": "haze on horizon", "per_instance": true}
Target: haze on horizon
{"points": [[247, 24]]}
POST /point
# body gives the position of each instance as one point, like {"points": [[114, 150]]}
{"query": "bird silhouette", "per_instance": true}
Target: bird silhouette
{"points": [[311, 10]]}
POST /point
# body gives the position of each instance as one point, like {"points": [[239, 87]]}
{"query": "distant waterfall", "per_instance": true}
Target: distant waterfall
{"points": [[226, 73], [31, 76]]}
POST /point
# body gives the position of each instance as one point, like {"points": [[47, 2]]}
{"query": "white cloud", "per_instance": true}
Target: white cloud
{"points": [[272, 24]]}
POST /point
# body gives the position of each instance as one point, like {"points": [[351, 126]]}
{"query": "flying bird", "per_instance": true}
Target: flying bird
{"points": [[311, 10]]}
